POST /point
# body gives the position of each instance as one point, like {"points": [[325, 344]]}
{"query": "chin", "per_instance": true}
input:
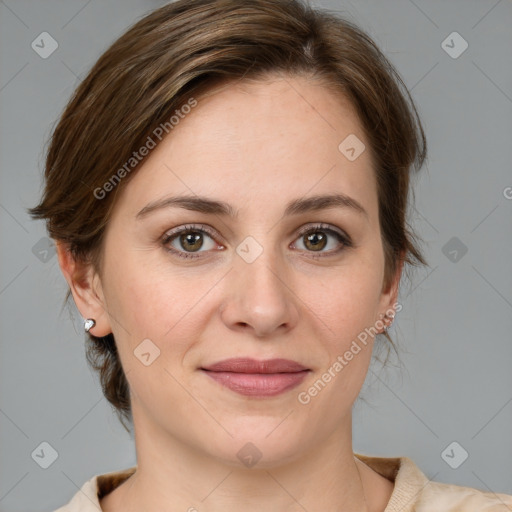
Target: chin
{"points": [[259, 446]]}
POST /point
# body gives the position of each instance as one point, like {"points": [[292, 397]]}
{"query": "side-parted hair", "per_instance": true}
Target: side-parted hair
{"points": [[163, 63]]}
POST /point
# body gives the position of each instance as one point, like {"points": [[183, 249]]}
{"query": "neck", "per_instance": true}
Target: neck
{"points": [[170, 472]]}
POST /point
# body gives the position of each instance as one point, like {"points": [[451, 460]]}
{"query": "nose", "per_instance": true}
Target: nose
{"points": [[260, 297]]}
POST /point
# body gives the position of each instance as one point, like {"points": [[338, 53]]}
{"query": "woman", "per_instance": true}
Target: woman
{"points": [[227, 191]]}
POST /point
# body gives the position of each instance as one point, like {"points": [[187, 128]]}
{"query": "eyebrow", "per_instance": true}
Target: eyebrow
{"points": [[296, 207]]}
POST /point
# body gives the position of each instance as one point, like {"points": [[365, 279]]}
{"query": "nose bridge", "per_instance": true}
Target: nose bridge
{"points": [[259, 296], [261, 257], [258, 270]]}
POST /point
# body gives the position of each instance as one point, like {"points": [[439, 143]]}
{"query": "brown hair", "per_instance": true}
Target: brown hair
{"points": [[183, 49]]}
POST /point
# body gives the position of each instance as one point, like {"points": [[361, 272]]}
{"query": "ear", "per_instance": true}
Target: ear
{"points": [[85, 286], [389, 298]]}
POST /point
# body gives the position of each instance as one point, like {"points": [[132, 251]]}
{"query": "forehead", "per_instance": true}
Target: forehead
{"points": [[260, 141]]}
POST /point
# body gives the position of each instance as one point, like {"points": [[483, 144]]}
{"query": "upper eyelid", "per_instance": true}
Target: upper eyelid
{"points": [[320, 226], [187, 227]]}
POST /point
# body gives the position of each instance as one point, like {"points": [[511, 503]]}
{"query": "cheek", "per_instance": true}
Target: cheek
{"points": [[348, 304], [162, 304], [346, 301]]}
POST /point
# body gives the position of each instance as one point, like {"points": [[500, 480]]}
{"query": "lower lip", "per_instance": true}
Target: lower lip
{"points": [[258, 384]]}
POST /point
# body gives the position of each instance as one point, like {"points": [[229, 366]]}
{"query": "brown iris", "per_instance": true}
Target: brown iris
{"points": [[191, 240], [317, 240]]}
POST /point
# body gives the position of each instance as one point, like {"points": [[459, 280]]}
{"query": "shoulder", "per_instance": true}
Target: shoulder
{"points": [[414, 492], [452, 498], [87, 499]]}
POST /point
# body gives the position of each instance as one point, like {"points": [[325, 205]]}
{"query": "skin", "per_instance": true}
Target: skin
{"points": [[257, 146]]}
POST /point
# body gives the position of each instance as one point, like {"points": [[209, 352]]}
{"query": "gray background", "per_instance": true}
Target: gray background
{"points": [[455, 328]]}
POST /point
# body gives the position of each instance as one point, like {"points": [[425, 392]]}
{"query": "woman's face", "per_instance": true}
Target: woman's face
{"points": [[265, 276]]}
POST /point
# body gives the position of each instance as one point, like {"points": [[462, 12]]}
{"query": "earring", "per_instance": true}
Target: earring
{"points": [[392, 317], [89, 324]]}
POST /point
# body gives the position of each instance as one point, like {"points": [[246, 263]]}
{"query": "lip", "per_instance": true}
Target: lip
{"points": [[251, 377], [249, 365]]}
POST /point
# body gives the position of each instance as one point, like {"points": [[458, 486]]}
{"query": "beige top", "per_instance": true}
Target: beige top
{"points": [[413, 491]]}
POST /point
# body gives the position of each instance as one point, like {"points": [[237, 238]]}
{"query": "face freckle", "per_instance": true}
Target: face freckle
{"points": [[257, 146]]}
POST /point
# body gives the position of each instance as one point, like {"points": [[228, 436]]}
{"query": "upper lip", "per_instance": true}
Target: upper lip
{"points": [[248, 365]]}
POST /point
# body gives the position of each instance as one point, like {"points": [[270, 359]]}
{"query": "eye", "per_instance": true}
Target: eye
{"points": [[186, 241], [191, 240], [319, 237]]}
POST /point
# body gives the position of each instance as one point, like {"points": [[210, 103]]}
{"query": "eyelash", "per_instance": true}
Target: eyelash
{"points": [[202, 228]]}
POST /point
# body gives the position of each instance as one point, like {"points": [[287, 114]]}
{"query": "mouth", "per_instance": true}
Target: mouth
{"points": [[251, 377]]}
